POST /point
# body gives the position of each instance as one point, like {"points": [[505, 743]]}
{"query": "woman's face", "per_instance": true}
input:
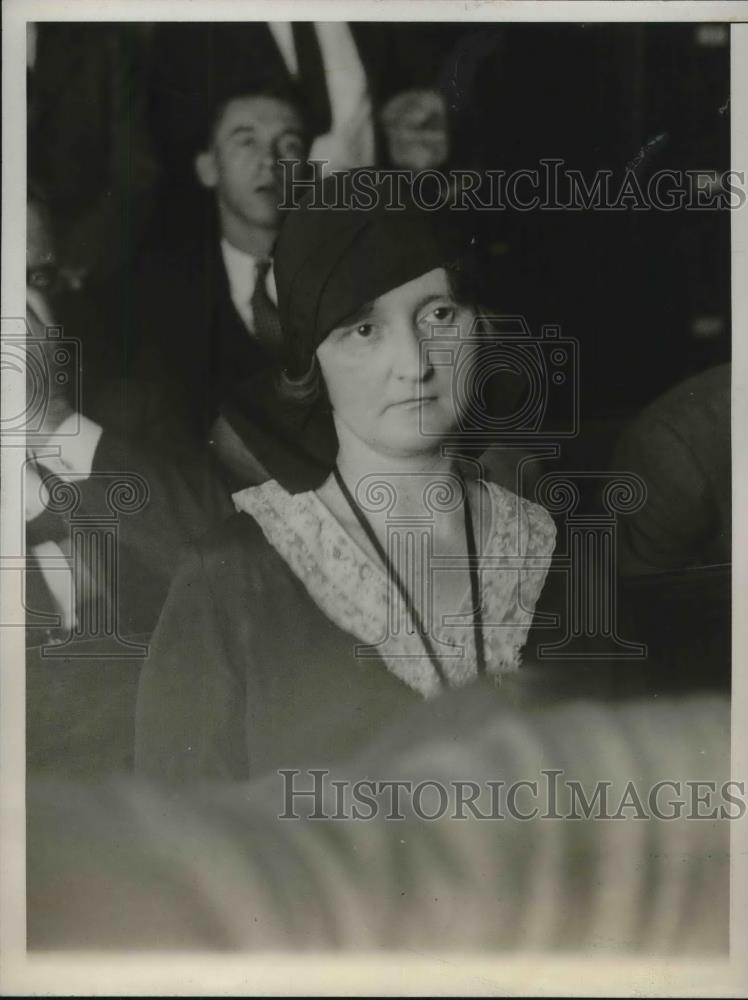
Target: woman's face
{"points": [[388, 388]]}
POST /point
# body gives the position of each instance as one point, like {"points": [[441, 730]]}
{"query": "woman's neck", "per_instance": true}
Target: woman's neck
{"points": [[397, 492], [407, 476]]}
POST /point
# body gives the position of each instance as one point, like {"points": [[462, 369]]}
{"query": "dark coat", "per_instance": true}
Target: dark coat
{"points": [[246, 674], [88, 142], [170, 506], [80, 696]]}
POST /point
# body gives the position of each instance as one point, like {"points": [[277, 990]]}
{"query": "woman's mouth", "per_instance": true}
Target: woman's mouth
{"points": [[415, 401]]}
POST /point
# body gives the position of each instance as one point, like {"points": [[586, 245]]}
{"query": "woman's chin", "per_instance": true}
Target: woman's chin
{"points": [[416, 442], [424, 429]]}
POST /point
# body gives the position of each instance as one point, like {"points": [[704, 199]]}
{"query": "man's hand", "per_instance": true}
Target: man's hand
{"points": [[415, 122]]}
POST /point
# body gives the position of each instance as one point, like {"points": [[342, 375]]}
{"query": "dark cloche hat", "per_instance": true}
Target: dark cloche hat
{"points": [[330, 260]]}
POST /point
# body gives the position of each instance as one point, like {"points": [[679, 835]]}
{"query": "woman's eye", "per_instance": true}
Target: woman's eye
{"points": [[364, 330], [441, 314]]}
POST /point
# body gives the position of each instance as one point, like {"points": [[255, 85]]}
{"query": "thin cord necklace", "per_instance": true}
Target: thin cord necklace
{"points": [[394, 576]]}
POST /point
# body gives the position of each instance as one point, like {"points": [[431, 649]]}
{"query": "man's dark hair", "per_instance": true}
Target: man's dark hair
{"points": [[214, 105]]}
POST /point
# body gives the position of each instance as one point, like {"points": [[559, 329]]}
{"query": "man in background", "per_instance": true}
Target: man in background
{"points": [[372, 93], [199, 333]]}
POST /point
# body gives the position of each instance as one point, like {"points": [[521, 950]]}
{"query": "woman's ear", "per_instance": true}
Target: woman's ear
{"points": [[205, 168]]}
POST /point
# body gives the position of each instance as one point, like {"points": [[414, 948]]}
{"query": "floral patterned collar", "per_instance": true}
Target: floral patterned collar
{"points": [[354, 592]]}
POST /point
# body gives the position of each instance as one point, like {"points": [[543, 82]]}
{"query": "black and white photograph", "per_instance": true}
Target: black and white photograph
{"points": [[373, 576]]}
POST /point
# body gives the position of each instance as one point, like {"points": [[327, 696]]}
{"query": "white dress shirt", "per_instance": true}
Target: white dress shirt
{"points": [[350, 141], [75, 442], [69, 454], [241, 269]]}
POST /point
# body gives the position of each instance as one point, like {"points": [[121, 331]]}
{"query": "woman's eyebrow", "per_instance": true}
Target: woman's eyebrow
{"points": [[431, 297]]}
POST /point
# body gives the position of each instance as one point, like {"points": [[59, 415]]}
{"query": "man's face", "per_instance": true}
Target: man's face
{"points": [[251, 135]]}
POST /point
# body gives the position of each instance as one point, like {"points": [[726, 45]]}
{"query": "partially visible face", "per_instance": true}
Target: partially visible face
{"points": [[252, 134], [382, 383]]}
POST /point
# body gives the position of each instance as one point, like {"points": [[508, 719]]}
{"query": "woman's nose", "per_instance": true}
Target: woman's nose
{"points": [[409, 359]]}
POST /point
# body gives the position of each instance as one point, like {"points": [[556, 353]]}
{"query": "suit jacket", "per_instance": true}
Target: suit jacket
{"points": [[176, 504], [185, 357]]}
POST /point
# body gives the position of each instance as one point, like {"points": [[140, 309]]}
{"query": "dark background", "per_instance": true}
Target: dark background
{"points": [[647, 294]]}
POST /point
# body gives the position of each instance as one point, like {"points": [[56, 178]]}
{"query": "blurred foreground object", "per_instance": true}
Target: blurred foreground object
{"points": [[124, 867]]}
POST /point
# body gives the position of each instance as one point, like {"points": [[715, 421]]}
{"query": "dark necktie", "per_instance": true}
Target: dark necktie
{"points": [[267, 326], [311, 77]]}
